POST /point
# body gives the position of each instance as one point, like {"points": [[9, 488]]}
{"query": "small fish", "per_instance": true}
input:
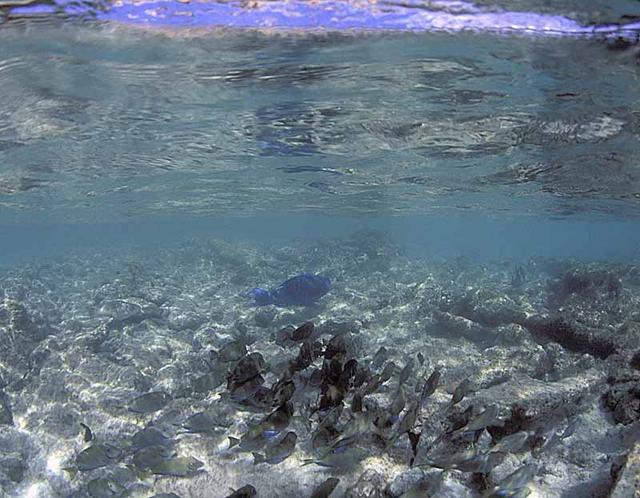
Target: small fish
{"points": [[464, 388], [105, 488], [241, 392], [232, 351], [514, 484], [254, 439], [409, 420], [146, 458], [97, 455], [149, 402], [420, 357], [303, 332], [200, 422], [278, 451], [247, 491], [397, 405], [379, 358], [178, 467], [406, 372], [487, 418], [209, 381], [512, 443], [387, 371], [414, 439], [247, 368], [279, 419], [87, 435], [283, 391], [430, 385], [344, 459], [150, 436], [325, 489]]}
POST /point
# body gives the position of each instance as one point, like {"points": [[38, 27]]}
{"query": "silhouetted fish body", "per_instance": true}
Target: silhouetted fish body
{"points": [[302, 290]]}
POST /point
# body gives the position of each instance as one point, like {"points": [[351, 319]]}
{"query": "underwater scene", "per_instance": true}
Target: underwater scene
{"points": [[312, 249]]}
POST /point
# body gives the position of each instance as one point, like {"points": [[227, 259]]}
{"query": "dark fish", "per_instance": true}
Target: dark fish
{"points": [[97, 455], [284, 337], [397, 405], [178, 467], [325, 489], [105, 488], [200, 422], [464, 388], [247, 491], [302, 290], [240, 393], [409, 420], [356, 403], [232, 351], [279, 419], [406, 372], [87, 435], [151, 456], [414, 439], [379, 358], [420, 357], [345, 458], [262, 399], [254, 439], [150, 436], [303, 332], [149, 402], [283, 391], [209, 381], [304, 358], [430, 385], [247, 368], [387, 371], [278, 451]]}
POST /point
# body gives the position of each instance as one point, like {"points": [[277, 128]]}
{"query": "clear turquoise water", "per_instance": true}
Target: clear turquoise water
{"points": [[465, 144]]}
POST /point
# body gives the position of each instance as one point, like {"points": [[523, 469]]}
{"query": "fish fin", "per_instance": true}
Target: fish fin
{"points": [[233, 441], [308, 461], [258, 458]]}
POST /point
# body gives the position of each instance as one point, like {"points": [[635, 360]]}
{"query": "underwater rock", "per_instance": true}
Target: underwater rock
{"points": [[6, 415], [623, 397], [122, 312], [585, 283], [22, 323], [185, 320], [628, 482], [13, 467], [532, 403], [571, 335], [452, 325], [265, 316], [370, 484]]}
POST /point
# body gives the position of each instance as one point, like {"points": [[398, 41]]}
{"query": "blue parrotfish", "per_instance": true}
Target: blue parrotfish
{"points": [[302, 290]]}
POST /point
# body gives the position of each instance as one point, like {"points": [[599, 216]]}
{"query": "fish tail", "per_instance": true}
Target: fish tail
{"points": [[233, 441], [258, 458]]}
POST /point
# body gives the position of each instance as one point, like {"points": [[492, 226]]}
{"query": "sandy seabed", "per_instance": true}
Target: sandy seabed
{"points": [[550, 345]]}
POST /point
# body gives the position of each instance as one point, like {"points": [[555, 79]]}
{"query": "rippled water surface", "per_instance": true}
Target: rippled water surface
{"points": [[105, 122]]}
